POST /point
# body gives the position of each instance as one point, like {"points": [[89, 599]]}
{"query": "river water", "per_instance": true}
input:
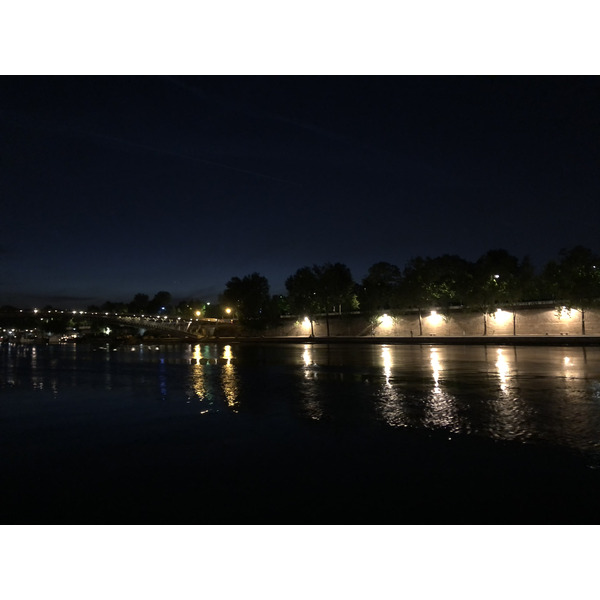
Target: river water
{"points": [[104, 432]]}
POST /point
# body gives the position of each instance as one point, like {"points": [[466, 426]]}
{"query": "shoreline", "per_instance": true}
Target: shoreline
{"points": [[532, 340], [528, 340]]}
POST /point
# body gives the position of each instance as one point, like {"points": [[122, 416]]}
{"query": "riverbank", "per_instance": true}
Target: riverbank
{"points": [[496, 340], [505, 340], [438, 340]]}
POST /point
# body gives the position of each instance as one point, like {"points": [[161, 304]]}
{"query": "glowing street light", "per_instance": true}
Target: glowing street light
{"points": [[386, 321], [565, 313], [502, 316], [434, 318]]}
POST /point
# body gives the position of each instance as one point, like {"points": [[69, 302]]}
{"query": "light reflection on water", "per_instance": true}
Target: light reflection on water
{"points": [[214, 373], [440, 409], [531, 394], [198, 378], [311, 397], [229, 380], [386, 355]]}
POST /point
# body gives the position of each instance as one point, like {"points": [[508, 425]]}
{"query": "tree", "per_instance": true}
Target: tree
{"points": [[302, 290], [335, 287], [320, 288], [282, 303], [11, 317], [139, 304], [118, 308], [160, 303], [191, 308], [249, 298], [58, 323], [439, 282], [500, 279], [574, 280], [380, 289], [276, 306]]}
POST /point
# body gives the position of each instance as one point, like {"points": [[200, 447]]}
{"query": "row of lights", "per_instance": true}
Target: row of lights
{"points": [[385, 321], [500, 316], [83, 312]]}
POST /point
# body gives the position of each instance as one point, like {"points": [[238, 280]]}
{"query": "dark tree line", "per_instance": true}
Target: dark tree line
{"points": [[160, 304], [497, 279], [250, 301], [48, 319], [320, 289]]}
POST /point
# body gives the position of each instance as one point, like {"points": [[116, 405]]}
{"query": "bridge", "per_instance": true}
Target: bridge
{"points": [[186, 328], [198, 328]]}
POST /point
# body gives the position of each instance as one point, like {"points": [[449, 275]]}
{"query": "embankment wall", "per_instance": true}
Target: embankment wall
{"points": [[523, 321]]}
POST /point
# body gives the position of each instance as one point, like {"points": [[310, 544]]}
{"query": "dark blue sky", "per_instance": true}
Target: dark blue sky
{"points": [[111, 186]]}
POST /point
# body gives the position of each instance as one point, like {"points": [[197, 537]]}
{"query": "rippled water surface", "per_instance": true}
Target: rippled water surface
{"points": [[531, 394]]}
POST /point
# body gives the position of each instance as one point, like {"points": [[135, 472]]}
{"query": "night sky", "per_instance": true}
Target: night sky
{"points": [[110, 186]]}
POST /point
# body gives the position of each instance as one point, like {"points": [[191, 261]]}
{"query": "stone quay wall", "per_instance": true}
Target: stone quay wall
{"points": [[528, 320]]}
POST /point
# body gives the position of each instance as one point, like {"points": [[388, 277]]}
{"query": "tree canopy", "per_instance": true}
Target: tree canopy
{"points": [[381, 289], [573, 280], [496, 279], [320, 289], [249, 298]]}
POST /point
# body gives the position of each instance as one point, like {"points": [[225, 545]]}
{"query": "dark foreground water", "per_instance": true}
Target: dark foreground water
{"points": [[289, 433]]}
